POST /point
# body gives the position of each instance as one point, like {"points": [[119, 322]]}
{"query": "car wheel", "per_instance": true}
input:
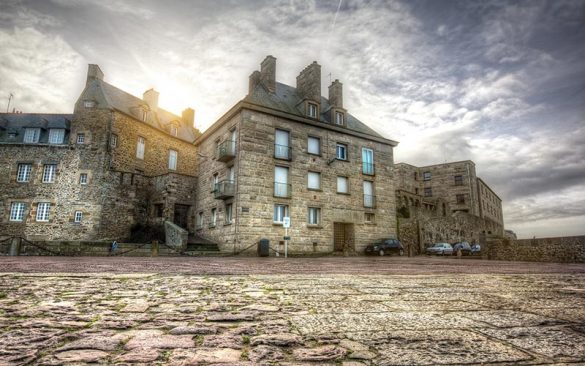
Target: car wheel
{"points": [[443, 253], [401, 252], [381, 252]]}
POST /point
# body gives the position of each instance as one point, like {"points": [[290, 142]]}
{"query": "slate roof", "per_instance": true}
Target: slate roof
{"points": [[15, 123], [286, 99], [108, 96]]}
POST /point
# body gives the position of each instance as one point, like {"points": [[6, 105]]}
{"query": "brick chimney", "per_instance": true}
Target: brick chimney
{"points": [[94, 73], [309, 82], [268, 73], [254, 80], [336, 94], [151, 98], [188, 118]]}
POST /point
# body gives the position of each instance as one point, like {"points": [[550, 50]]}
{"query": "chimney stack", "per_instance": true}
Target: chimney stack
{"points": [[309, 82], [188, 118], [151, 98], [268, 73], [336, 94], [254, 80], [94, 73]]}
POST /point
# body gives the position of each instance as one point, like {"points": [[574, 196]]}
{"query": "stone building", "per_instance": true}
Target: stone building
{"points": [[448, 202], [116, 162], [286, 151]]}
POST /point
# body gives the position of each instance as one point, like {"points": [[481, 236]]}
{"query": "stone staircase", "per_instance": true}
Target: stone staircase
{"points": [[199, 246]]}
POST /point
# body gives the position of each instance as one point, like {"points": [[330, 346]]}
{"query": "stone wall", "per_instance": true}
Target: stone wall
{"points": [[569, 249]]}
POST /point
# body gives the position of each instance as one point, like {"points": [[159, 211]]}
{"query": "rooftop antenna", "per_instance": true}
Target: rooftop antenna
{"points": [[329, 78], [9, 99]]}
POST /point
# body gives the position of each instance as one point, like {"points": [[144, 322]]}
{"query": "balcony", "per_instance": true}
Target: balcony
{"points": [[282, 190], [224, 189], [368, 169], [226, 151], [369, 201], [282, 152]]}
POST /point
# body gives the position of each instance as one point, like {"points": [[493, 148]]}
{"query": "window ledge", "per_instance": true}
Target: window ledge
{"points": [[228, 224], [346, 160], [370, 223], [277, 223], [344, 193], [314, 226], [315, 189]]}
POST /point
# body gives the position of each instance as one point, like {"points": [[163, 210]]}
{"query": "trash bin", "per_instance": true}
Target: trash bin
{"points": [[264, 248]]}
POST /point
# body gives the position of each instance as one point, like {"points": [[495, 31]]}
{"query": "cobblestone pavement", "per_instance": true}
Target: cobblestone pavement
{"points": [[306, 318]]}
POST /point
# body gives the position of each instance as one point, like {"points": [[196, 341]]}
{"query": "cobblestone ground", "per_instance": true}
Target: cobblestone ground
{"points": [[336, 317]]}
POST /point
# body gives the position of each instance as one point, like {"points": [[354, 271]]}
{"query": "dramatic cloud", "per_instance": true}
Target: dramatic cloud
{"points": [[497, 82]]}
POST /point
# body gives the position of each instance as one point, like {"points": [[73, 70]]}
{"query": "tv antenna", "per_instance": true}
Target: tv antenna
{"points": [[9, 99]]}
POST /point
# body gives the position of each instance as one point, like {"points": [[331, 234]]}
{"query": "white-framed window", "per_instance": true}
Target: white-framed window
{"points": [[228, 213], [312, 110], [281, 186], [78, 216], [213, 217], [369, 197], [314, 145], [88, 103], [427, 176], [144, 114], [81, 138], [282, 144], [341, 151], [339, 119], [140, 148], [114, 140], [280, 211], [83, 178], [314, 216], [199, 220], [23, 174], [56, 135], [215, 182], [17, 211], [174, 130], [367, 161], [32, 135], [43, 209], [314, 180], [342, 185], [172, 160], [49, 172]]}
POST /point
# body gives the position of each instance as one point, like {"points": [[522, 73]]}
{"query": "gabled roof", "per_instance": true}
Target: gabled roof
{"points": [[17, 122], [108, 96]]}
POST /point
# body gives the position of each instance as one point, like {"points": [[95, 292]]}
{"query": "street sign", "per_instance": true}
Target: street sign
{"points": [[287, 238], [286, 222]]}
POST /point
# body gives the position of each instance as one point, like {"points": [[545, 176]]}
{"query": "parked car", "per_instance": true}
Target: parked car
{"points": [[463, 246], [440, 248], [385, 246], [475, 249]]}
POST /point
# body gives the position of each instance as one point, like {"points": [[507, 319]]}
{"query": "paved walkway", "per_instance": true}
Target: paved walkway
{"points": [[331, 311]]}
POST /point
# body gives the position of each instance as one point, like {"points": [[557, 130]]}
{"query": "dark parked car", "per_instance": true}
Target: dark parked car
{"points": [[475, 249], [464, 246], [440, 249], [385, 246]]}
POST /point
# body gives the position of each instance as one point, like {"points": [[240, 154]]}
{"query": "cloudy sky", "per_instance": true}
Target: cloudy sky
{"points": [[499, 82]]}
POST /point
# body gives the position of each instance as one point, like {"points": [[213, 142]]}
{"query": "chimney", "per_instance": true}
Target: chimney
{"points": [[309, 82], [268, 73], [94, 73], [188, 118], [336, 94], [254, 80], [151, 98]]}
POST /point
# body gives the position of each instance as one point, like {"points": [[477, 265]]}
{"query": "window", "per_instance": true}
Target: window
{"points": [[43, 209], [280, 211], [214, 182], [369, 217], [428, 192], [174, 130], [341, 152], [213, 217], [144, 115], [56, 135], [460, 198], [312, 110], [17, 211], [427, 176], [231, 174], [78, 216], [342, 185], [339, 118], [159, 210], [281, 186], [83, 178], [369, 198], [314, 217], [314, 145], [200, 220], [458, 180], [49, 173], [172, 160], [80, 138], [281, 144], [31, 135], [228, 213], [114, 140], [23, 174], [367, 161], [88, 103], [314, 180], [140, 148]]}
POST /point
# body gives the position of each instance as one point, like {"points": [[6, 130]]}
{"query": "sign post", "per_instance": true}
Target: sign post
{"points": [[286, 224]]}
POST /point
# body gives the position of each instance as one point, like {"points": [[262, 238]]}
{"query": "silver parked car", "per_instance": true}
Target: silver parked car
{"points": [[440, 249]]}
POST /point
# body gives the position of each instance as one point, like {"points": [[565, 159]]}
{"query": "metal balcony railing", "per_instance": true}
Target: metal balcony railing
{"points": [[282, 190], [282, 152], [368, 169], [226, 151], [224, 189], [369, 201]]}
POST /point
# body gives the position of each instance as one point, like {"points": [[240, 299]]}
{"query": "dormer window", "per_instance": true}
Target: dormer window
{"points": [[312, 110], [88, 103], [31, 135], [339, 119], [173, 130], [56, 135], [144, 114]]}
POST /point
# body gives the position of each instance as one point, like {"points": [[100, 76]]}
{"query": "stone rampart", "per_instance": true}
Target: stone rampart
{"points": [[570, 249]]}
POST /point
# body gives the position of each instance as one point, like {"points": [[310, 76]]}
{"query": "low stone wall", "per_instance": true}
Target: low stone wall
{"points": [[570, 249], [69, 248], [176, 236]]}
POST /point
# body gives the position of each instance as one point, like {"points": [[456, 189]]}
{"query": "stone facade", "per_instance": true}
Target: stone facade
{"points": [[562, 249]]}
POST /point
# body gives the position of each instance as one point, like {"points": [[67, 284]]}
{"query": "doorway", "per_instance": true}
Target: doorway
{"points": [[181, 215], [343, 237]]}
